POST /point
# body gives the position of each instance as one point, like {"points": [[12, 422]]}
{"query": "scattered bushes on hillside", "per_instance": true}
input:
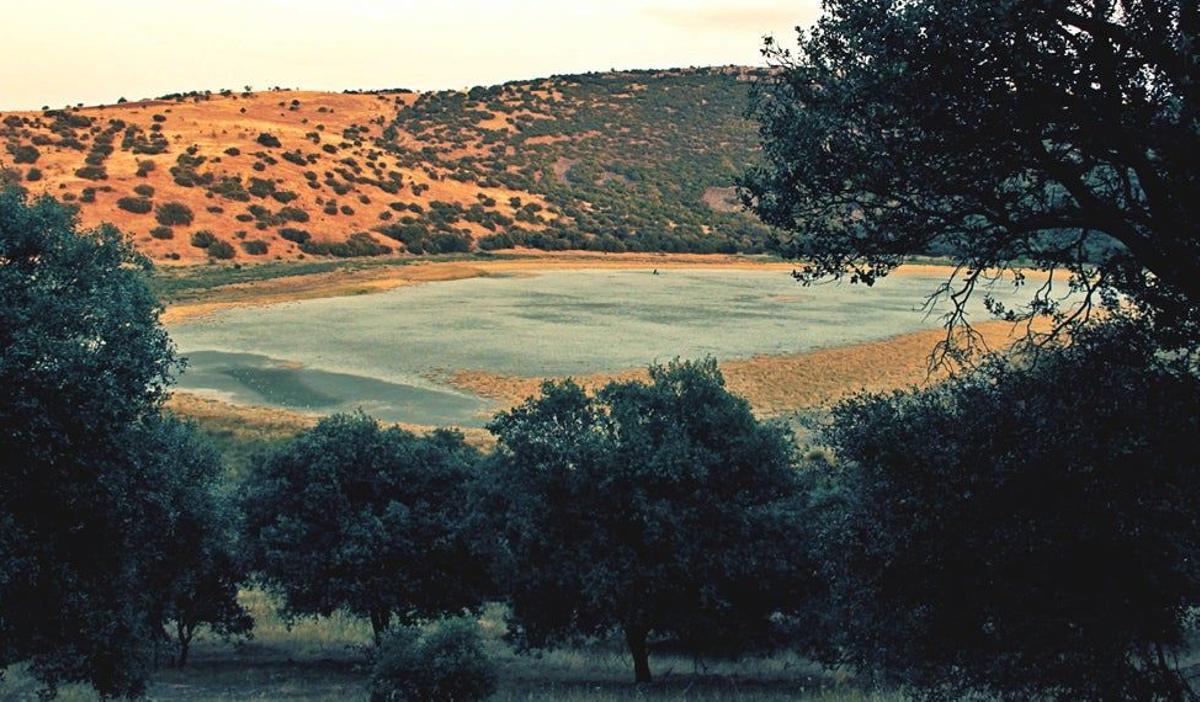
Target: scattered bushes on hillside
{"points": [[269, 140], [145, 168], [446, 662], [174, 214], [136, 205], [144, 190], [164, 233]]}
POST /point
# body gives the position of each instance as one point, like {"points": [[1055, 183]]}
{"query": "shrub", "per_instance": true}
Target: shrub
{"points": [[255, 247], [92, 173], [34, 175], [298, 236], [25, 154], [359, 244], [144, 168], [162, 233], [144, 190], [136, 205], [220, 249], [293, 214], [173, 214], [233, 151], [446, 663], [203, 239], [268, 140]]}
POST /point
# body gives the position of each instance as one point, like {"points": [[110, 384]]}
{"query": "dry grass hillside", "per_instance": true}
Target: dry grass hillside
{"points": [[612, 162]]}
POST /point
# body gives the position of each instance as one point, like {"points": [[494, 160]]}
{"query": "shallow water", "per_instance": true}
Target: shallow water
{"points": [[382, 352]]}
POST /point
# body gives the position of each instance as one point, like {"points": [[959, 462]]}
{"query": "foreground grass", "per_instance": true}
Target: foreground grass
{"points": [[321, 659]]}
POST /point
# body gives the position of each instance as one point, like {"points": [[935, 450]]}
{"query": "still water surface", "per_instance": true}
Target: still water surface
{"points": [[383, 352]]}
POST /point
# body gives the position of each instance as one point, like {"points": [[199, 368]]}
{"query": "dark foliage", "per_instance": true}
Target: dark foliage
{"points": [[349, 516], [1062, 134], [664, 511], [172, 214], [1024, 531], [83, 363], [445, 663]]}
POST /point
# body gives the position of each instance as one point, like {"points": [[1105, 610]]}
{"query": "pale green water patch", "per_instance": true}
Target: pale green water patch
{"points": [[381, 351]]}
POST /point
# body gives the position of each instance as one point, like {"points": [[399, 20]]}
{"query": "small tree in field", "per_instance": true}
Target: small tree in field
{"points": [[352, 517], [198, 570], [659, 510], [1022, 532]]}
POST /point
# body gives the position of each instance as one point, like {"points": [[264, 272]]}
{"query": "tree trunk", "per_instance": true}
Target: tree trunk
{"points": [[184, 634], [379, 624], [635, 636]]}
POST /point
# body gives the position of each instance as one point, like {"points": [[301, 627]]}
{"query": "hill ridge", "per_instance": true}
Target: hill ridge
{"points": [[629, 160]]}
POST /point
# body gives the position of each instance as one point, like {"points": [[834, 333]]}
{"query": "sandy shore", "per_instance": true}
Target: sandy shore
{"points": [[783, 384]]}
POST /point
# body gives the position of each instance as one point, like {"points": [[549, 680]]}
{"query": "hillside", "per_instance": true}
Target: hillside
{"points": [[639, 161]]}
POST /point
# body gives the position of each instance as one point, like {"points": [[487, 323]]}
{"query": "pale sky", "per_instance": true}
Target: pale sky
{"points": [[58, 52]]}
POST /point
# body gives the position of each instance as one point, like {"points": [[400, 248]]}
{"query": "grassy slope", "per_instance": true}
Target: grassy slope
{"points": [[619, 160]]}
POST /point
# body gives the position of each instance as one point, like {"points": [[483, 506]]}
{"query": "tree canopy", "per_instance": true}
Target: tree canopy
{"points": [[84, 363], [1058, 134], [1025, 531], [661, 510], [351, 516]]}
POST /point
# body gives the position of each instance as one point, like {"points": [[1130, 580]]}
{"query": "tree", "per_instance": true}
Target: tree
{"points": [[83, 361], [1026, 531], [349, 516], [197, 571], [1061, 134], [659, 510]]}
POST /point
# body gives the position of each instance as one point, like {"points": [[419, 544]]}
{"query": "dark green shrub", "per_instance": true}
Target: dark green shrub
{"points": [[233, 151], [136, 205], [359, 244], [144, 190], [255, 247], [92, 173], [203, 239], [220, 249], [447, 662], [269, 140], [34, 175], [173, 214], [298, 236], [144, 168], [162, 233], [293, 214], [25, 154]]}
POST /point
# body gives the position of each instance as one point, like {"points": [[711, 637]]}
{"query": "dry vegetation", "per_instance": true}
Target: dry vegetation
{"points": [[780, 385], [284, 175]]}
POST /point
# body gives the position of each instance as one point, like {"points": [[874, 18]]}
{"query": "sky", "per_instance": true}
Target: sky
{"points": [[72, 51]]}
